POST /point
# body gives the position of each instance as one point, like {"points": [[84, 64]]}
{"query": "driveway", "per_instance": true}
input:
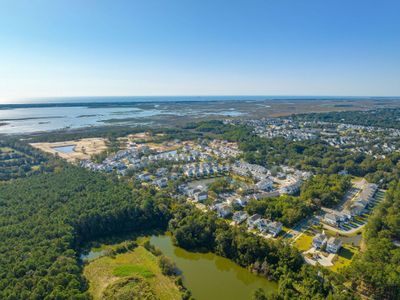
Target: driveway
{"points": [[317, 257]]}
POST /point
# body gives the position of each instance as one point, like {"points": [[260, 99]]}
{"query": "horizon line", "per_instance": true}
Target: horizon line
{"points": [[21, 100]]}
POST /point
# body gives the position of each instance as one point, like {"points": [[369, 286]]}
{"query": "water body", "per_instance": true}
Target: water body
{"points": [[27, 120], [212, 277], [35, 119], [65, 149]]}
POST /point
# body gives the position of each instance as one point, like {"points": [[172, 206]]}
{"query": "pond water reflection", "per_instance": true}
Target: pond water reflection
{"points": [[209, 276]]}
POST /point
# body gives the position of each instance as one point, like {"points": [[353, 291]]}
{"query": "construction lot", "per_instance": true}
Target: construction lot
{"points": [[75, 150]]}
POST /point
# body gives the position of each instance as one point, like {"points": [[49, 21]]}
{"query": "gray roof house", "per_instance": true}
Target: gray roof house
{"points": [[333, 245], [320, 240], [240, 216]]}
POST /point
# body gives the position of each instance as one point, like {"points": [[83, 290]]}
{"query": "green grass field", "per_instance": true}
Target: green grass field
{"points": [[304, 242], [344, 258], [105, 271], [129, 270]]}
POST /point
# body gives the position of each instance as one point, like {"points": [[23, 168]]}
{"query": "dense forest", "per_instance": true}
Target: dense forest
{"points": [[45, 218]]}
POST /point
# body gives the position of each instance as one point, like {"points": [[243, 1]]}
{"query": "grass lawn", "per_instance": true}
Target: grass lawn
{"points": [[304, 242], [344, 258], [106, 270], [129, 270]]}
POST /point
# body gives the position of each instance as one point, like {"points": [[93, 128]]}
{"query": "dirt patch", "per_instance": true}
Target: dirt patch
{"points": [[80, 149]]}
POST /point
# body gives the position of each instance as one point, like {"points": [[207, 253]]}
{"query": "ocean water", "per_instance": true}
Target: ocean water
{"points": [[144, 99]]}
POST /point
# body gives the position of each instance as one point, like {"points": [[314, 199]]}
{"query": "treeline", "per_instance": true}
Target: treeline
{"points": [[216, 128], [45, 218], [274, 259], [376, 273], [110, 132], [385, 117], [320, 190]]}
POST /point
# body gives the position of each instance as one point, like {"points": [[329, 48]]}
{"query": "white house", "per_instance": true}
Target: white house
{"points": [[333, 245], [320, 240]]}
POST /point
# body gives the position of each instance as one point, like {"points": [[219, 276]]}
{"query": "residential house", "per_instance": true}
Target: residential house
{"points": [[200, 196], [274, 228], [161, 183], [261, 224], [223, 210], [242, 201], [240, 216], [333, 245], [331, 219], [252, 219], [144, 177], [319, 241]]}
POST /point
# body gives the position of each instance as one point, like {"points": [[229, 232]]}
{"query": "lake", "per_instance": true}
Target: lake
{"points": [[212, 277]]}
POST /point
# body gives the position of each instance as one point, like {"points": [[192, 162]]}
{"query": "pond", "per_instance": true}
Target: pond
{"points": [[65, 149], [209, 276]]}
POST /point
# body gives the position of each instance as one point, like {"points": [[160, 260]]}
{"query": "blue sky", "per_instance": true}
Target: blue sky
{"points": [[171, 47]]}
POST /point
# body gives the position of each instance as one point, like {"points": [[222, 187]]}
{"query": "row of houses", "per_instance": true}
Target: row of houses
{"points": [[244, 169], [178, 157], [355, 207], [204, 169], [363, 199], [223, 149]]}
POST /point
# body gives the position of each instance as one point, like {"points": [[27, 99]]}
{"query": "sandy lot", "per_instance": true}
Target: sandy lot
{"points": [[82, 149]]}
